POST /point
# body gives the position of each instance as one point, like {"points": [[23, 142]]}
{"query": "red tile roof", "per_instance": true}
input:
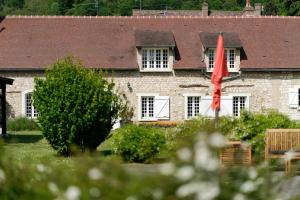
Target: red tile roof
{"points": [[109, 42]]}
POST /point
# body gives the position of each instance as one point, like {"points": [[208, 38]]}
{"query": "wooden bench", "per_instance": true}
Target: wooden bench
{"points": [[236, 153], [280, 141]]}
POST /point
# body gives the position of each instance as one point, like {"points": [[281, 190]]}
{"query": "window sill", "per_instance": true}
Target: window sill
{"points": [[148, 120], [156, 70], [230, 71]]}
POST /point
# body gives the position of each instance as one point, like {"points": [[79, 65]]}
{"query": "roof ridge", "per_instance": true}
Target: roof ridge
{"points": [[146, 17]]}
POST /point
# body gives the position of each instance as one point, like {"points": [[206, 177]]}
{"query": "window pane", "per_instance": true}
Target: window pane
{"points": [[165, 58], [158, 58], [239, 104], [231, 58], [144, 58], [147, 109], [192, 106], [151, 106], [28, 105], [144, 107], [151, 58], [211, 53]]}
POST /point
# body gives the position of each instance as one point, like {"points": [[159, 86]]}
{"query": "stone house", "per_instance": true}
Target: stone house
{"points": [[162, 65]]}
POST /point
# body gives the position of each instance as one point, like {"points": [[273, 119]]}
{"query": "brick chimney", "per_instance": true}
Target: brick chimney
{"points": [[248, 10], [257, 9], [205, 9]]}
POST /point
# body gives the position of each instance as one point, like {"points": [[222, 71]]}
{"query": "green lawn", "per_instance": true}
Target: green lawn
{"points": [[31, 147]]}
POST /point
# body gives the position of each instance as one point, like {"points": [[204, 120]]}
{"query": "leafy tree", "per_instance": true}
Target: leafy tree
{"points": [[77, 107]]}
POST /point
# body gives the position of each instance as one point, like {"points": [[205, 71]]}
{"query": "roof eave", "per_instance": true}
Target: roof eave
{"points": [[266, 69]]}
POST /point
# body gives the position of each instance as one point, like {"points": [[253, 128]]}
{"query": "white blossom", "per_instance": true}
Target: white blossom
{"points": [[204, 158], [72, 193], [95, 174], [290, 155], [40, 167], [131, 198], [217, 140], [53, 187], [252, 173], [239, 196], [202, 190], [184, 154], [248, 186], [167, 169], [95, 192], [157, 194], [2, 176], [185, 173]]}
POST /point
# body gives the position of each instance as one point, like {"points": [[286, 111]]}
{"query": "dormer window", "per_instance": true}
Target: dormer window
{"points": [[232, 47], [155, 51], [155, 58], [232, 57]]}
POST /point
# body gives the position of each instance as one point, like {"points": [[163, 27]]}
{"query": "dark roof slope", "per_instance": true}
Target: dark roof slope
{"points": [[109, 42], [231, 40], [148, 38]]}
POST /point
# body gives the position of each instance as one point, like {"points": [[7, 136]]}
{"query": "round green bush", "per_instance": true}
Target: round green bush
{"points": [[77, 107], [137, 143]]}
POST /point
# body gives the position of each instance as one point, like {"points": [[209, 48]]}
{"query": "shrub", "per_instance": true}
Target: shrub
{"points": [[77, 107], [138, 143], [22, 124], [251, 127]]}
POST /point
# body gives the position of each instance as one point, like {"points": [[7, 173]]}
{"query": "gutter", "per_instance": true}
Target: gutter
{"points": [[296, 69]]}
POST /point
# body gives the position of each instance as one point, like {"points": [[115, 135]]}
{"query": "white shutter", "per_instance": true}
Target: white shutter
{"points": [[162, 107], [293, 97], [205, 107], [226, 106]]}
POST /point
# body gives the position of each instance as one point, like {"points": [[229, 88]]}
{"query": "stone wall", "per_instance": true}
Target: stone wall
{"points": [[267, 89]]}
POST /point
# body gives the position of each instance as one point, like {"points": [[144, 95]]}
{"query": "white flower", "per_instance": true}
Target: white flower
{"points": [[248, 186], [245, 145], [157, 194], [202, 190], [53, 187], [185, 173], [290, 155], [72, 193], [252, 173], [184, 154], [204, 158], [2, 176], [40, 167], [131, 198], [95, 174], [167, 169], [239, 196], [95, 192], [217, 140]]}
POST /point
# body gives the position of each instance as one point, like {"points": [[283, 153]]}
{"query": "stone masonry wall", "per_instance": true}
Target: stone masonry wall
{"points": [[267, 90]]}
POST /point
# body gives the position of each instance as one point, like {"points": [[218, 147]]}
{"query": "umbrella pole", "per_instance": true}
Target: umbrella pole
{"points": [[217, 117]]}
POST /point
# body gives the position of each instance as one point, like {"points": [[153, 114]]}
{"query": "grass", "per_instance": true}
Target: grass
{"points": [[32, 148]]}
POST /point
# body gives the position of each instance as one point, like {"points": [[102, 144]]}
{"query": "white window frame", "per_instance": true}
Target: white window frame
{"points": [[140, 95], [240, 105], [203, 98], [247, 102], [24, 106], [186, 96], [211, 64], [153, 67]]}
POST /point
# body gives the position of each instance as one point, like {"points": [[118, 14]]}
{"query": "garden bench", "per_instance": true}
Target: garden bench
{"points": [[280, 141], [236, 153]]}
